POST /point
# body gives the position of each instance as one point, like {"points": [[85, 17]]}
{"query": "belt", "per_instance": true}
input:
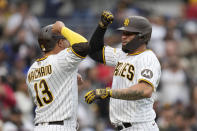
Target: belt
{"points": [[51, 123], [124, 125]]}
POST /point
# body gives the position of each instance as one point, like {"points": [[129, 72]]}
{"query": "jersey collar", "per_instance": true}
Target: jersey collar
{"points": [[43, 58]]}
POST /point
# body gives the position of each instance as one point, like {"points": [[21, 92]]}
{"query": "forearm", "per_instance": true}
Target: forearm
{"points": [[97, 40], [126, 94], [97, 45], [78, 43], [135, 92], [72, 37]]}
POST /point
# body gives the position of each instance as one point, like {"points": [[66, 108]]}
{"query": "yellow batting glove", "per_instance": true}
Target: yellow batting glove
{"points": [[90, 96], [106, 19], [97, 94]]}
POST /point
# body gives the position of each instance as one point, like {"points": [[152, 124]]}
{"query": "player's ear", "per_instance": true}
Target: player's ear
{"points": [[67, 43], [60, 43], [63, 43]]}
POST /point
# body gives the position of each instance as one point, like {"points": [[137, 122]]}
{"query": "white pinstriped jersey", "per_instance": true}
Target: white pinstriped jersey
{"points": [[52, 82], [129, 70]]}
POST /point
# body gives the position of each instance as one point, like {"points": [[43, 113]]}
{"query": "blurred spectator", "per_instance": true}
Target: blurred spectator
{"points": [[188, 49], [174, 86], [15, 122], [7, 99], [1, 125], [105, 74], [85, 111], [20, 68], [3, 63], [3, 6], [24, 101], [190, 118], [125, 8], [165, 121], [194, 97], [170, 51], [52, 7], [180, 123], [172, 30], [23, 24], [82, 10], [157, 43], [87, 63], [191, 9]]}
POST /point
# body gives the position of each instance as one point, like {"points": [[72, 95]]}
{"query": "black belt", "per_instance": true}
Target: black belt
{"points": [[52, 123], [124, 125]]}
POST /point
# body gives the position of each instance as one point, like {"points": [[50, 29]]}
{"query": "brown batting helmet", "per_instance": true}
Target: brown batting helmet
{"points": [[137, 24], [141, 27], [47, 39]]}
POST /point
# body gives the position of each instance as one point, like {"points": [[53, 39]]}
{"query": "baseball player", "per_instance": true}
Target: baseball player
{"points": [[52, 80], [136, 75]]}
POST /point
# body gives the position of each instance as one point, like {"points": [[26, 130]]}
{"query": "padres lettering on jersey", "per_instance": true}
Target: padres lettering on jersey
{"points": [[130, 70], [124, 70]]}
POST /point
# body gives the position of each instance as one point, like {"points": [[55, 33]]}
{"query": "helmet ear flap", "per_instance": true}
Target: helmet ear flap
{"points": [[140, 36], [144, 37]]}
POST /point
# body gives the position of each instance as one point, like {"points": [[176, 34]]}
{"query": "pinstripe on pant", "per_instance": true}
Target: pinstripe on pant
{"points": [[54, 128]]}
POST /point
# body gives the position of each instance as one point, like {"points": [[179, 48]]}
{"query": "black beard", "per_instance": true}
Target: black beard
{"points": [[132, 45], [126, 50]]}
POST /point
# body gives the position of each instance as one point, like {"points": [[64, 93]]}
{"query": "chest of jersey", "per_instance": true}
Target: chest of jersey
{"points": [[125, 72]]}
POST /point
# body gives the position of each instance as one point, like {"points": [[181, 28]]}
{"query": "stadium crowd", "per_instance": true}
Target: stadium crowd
{"points": [[174, 40]]}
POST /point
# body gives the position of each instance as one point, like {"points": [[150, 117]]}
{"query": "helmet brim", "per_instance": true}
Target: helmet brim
{"points": [[129, 29]]}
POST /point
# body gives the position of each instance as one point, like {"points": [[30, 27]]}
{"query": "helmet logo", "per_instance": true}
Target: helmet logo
{"points": [[126, 22]]}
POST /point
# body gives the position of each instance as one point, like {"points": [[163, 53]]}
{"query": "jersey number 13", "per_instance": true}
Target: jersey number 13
{"points": [[42, 85]]}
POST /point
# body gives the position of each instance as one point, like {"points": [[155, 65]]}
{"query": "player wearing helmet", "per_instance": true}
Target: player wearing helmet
{"points": [[52, 80], [142, 29], [136, 75]]}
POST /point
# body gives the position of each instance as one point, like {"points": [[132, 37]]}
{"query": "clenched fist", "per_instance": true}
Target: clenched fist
{"points": [[106, 19], [56, 28], [97, 94]]}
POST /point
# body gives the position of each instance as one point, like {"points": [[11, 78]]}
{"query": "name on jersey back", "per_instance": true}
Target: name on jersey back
{"points": [[39, 72]]}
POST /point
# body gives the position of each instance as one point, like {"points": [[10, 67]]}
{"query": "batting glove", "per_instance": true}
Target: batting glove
{"points": [[106, 19], [97, 94]]}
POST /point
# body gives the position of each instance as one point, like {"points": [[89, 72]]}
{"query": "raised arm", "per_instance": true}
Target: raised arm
{"points": [[97, 39], [78, 43]]}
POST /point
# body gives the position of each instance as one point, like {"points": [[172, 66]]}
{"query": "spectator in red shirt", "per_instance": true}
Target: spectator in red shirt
{"points": [[7, 99]]}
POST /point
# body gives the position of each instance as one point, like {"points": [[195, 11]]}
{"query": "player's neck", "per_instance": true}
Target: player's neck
{"points": [[48, 53], [52, 52]]}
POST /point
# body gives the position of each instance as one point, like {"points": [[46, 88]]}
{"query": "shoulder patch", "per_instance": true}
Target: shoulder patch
{"points": [[147, 73]]}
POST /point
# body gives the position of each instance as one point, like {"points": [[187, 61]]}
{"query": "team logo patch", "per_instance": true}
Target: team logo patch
{"points": [[147, 73], [126, 22]]}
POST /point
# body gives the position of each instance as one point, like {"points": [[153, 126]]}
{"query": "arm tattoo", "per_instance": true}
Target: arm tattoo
{"points": [[132, 95]]}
